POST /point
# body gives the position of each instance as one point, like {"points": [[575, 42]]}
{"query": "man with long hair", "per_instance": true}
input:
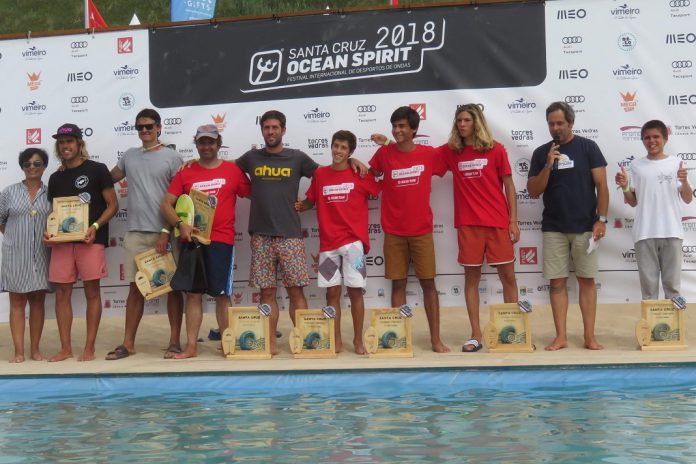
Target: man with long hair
{"points": [[485, 209], [90, 181]]}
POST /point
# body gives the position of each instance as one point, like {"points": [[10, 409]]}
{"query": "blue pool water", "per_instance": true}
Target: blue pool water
{"points": [[612, 415]]}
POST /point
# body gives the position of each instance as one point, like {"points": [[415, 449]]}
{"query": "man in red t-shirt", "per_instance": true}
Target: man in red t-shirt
{"points": [[484, 215], [341, 198], [407, 219], [223, 180]]}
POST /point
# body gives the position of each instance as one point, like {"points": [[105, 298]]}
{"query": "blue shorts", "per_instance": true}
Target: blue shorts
{"points": [[219, 268]]}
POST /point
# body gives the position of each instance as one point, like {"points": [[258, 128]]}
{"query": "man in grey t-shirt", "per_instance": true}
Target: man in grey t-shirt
{"points": [[274, 225], [149, 170]]}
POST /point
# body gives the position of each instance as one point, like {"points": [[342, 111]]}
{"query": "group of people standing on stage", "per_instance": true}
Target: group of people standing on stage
{"points": [[569, 171]]}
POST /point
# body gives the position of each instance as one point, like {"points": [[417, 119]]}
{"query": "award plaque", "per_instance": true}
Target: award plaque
{"points": [[155, 271], [247, 337], [204, 212], [69, 220], [662, 326], [508, 330], [389, 334], [313, 335]]}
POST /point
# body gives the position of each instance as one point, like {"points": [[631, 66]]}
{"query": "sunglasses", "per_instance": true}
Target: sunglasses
{"points": [[140, 127], [36, 164]]}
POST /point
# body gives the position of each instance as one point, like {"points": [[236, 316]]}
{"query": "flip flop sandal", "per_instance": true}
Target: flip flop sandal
{"points": [[473, 342], [119, 352]]}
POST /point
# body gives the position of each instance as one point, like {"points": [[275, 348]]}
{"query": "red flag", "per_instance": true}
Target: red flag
{"points": [[95, 18]]}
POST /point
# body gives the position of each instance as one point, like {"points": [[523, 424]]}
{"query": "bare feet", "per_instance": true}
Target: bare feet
{"points": [[60, 356], [19, 358], [591, 344], [273, 346], [440, 347], [359, 348], [185, 355], [339, 345], [37, 356], [558, 343], [87, 355]]}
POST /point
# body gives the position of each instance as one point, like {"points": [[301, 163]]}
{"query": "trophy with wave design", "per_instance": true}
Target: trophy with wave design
{"points": [[155, 271], [313, 335], [204, 212], [247, 337], [389, 334], [508, 329], [69, 220], [662, 325]]}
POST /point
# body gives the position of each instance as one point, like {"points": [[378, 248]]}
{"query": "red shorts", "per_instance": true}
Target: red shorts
{"points": [[477, 242], [69, 259]]}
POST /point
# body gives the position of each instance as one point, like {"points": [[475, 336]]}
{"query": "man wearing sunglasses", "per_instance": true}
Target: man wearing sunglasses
{"points": [[149, 168]]}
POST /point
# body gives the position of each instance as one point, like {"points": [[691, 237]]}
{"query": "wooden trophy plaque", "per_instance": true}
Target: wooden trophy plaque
{"points": [[69, 220], [662, 325], [247, 337], [508, 330], [204, 213], [389, 334], [155, 272], [313, 335]]}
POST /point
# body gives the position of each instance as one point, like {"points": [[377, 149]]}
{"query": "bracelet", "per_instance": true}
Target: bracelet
{"points": [[95, 225], [386, 142], [164, 230], [548, 165], [626, 189], [178, 223]]}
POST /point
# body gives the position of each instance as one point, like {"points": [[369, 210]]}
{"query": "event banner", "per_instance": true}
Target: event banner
{"points": [[357, 53], [618, 64]]}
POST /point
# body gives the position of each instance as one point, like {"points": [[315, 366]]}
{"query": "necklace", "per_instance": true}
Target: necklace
{"points": [[151, 148]]}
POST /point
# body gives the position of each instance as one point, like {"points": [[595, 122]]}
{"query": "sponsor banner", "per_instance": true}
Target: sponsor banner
{"points": [[187, 10]]}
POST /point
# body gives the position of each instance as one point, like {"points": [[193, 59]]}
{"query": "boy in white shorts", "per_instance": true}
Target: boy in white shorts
{"points": [[341, 198]]}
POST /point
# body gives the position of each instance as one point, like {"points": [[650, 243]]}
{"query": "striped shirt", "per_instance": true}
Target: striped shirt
{"points": [[24, 257]]}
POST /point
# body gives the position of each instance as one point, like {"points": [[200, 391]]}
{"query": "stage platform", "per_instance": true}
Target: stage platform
{"points": [[615, 330]]}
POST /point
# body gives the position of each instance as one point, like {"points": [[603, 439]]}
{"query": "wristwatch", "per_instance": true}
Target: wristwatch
{"points": [[603, 219]]}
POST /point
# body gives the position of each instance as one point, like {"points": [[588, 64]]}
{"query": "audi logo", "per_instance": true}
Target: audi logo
{"points": [[87, 131], [688, 248], [366, 109], [172, 121], [80, 99], [574, 99], [687, 156], [576, 39], [682, 64], [678, 3], [81, 44]]}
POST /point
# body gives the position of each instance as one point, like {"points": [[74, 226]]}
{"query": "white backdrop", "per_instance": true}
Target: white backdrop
{"points": [[618, 64]]}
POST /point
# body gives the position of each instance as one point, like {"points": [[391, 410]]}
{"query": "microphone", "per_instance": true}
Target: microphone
{"points": [[556, 141]]}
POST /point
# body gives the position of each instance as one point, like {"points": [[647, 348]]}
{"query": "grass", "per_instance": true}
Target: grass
{"points": [[20, 16]]}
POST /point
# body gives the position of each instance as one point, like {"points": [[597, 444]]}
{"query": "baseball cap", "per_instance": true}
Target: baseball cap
{"points": [[70, 130], [207, 130]]}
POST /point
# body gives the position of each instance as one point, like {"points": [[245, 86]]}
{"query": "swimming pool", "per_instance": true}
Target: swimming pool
{"points": [[615, 415]]}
